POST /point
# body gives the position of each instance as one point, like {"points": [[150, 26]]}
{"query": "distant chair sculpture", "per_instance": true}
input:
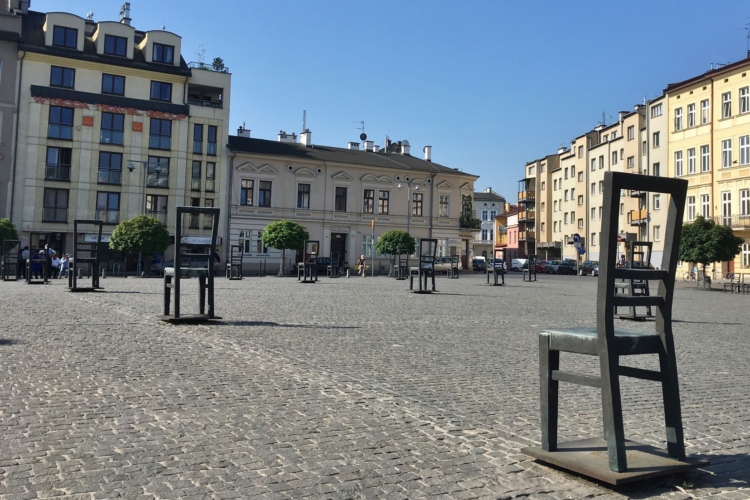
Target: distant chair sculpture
{"points": [[529, 272], [606, 459], [37, 268], [234, 266], [454, 270], [85, 254], [194, 258], [11, 259], [402, 265], [308, 269], [426, 266], [497, 269], [639, 256]]}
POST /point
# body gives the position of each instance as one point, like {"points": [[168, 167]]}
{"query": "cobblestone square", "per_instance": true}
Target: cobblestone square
{"points": [[347, 388]]}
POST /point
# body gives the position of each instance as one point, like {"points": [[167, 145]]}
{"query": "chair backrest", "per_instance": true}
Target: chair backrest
{"points": [[616, 183], [189, 250], [427, 252]]}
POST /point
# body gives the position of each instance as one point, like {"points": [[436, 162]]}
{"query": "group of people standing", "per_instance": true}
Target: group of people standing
{"points": [[58, 266]]}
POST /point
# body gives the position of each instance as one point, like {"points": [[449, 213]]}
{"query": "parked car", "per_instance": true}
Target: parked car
{"points": [[540, 265], [567, 267], [443, 264], [589, 267], [551, 267], [517, 264], [478, 265]]}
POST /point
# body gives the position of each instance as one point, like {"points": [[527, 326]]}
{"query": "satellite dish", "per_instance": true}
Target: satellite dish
{"points": [[362, 136]]}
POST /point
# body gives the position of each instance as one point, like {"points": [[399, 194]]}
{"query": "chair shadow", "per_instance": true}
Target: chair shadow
{"points": [[8, 341], [281, 325]]}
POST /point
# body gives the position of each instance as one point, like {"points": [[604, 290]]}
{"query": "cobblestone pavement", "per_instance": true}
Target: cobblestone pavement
{"points": [[348, 388]]}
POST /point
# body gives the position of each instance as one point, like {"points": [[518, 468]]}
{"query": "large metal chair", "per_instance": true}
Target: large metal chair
{"points": [[529, 272], [11, 259], [454, 273], [402, 264], [613, 459], [426, 267], [234, 266], [308, 269], [85, 253], [639, 255], [497, 269], [37, 268], [194, 258]]}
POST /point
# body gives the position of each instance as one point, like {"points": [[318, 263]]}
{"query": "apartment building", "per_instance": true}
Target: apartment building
{"points": [[487, 205], [345, 197], [709, 145], [11, 12], [112, 123], [535, 198]]}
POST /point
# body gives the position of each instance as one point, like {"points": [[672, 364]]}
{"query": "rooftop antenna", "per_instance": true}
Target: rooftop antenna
{"points": [[304, 120], [90, 16], [747, 35], [362, 136], [604, 118]]}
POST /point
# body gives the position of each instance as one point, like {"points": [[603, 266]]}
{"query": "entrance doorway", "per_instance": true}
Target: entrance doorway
{"points": [[338, 248]]}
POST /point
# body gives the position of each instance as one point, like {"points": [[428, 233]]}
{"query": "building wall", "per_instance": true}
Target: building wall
{"points": [[9, 24]]}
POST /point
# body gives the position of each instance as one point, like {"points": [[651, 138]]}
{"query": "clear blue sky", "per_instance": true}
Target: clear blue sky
{"points": [[490, 85]]}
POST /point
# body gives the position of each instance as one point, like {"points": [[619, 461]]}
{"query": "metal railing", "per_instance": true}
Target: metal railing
{"points": [[733, 221], [108, 216], [57, 172]]}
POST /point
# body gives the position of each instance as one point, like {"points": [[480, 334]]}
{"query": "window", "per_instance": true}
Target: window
{"points": [[542, 168], [485, 235], [744, 202], [726, 105], [657, 233], [572, 172], [593, 213], [593, 188], [644, 148], [656, 110], [566, 195], [554, 206], [744, 100], [195, 218], [573, 194], [246, 192], [369, 201], [678, 164], [566, 217], [656, 169], [113, 128], [108, 207], [580, 176], [726, 208], [593, 164], [554, 184], [554, 227], [744, 149], [264, 193], [566, 172], [158, 171], [601, 162], [691, 207], [60, 123], [580, 151], [416, 206], [655, 140], [614, 158], [340, 199], [65, 37], [631, 132], [531, 171], [704, 111], [211, 140], [580, 199], [195, 177], [161, 91], [115, 45], [58, 164], [705, 206], [705, 159], [55, 205], [208, 219], [544, 185], [601, 187], [593, 239], [383, 202], [160, 133], [210, 175], [156, 206], [544, 226], [726, 153], [631, 161], [691, 160], [163, 53], [580, 223], [197, 138], [444, 205], [113, 84], [62, 77], [303, 196], [657, 202], [691, 115], [542, 206], [260, 247], [678, 119], [110, 168], [746, 255]]}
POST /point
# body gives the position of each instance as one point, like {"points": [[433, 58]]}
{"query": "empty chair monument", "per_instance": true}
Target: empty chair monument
{"points": [[85, 254], [497, 270], [234, 266], [613, 459], [426, 266], [10, 260]]}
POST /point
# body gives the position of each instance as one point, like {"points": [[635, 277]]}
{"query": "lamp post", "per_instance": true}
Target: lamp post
{"points": [[408, 202], [156, 167]]}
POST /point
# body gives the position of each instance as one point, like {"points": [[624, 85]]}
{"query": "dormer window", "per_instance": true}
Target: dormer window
{"points": [[163, 53], [65, 37], [115, 45]]}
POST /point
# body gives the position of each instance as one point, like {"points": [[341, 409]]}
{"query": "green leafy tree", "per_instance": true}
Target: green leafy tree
{"points": [[141, 234], [283, 234], [7, 231], [393, 243], [704, 242]]}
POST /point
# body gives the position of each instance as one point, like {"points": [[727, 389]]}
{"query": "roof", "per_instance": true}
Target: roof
{"points": [[672, 87], [380, 159], [484, 196]]}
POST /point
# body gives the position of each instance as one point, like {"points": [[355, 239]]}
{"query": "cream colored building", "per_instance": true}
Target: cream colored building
{"points": [[487, 206], [99, 97], [344, 196], [11, 12]]}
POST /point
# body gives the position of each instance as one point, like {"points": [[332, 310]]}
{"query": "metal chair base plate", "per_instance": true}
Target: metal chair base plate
{"points": [[588, 457], [86, 289], [188, 318]]}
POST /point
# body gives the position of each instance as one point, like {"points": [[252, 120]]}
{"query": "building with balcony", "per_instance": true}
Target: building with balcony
{"points": [[10, 34], [113, 123], [487, 205], [344, 197]]}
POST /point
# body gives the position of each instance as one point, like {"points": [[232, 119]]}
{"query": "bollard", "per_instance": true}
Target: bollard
{"points": [[104, 273], [80, 273], [347, 273]]}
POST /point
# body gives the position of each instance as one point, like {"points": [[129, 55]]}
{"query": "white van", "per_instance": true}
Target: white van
{"points": [[517, 264]]}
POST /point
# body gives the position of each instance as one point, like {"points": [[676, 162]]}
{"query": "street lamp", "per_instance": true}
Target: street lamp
{"points": [[155, 167], [408, 201]]}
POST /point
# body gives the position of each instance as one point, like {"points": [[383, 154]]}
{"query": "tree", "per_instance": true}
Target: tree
{"points": [[7, 231], [704, 242], [218, 64], [393, 243], [283, 234], [141, 234]]}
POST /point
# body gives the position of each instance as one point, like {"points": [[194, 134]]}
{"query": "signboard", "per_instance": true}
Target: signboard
{"points": [[576, 238], [581, 250], [197, 240]]}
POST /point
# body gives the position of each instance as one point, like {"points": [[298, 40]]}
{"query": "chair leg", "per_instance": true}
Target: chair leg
{"points": [[614, 432], [202, 295], [549, 389], [672, 412], [167, 294], [210, 291]]}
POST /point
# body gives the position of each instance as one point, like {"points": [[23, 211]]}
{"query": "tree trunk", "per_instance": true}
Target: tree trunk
{"points": [[283, 258], [393, 263]]}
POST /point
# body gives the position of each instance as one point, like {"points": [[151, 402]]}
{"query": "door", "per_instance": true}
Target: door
{"points": [[338, 248]]}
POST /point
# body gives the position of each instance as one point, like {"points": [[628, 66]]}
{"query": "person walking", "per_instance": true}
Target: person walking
{"points": [[362, 266], [64, 265]]}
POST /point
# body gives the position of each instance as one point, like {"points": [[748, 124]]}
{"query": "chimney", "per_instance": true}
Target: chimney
{"points": [[25, 6], [405, 147], [306, 137], [125, 13], [368, 145], [243, 132], [427, 153], [354, 145], [375, 148], [284, 137], [561, 150], [622, 115], [488, 190]]}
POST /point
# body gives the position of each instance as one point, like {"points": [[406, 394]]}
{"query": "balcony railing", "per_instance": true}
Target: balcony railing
{"points": [[160, 215], [108, 216], [638, 217], [207, 104], [55, 214], [526, 235], [733, 221], [208, 67], [470, 223], [526, 215], [56, 172], [526, 196]]}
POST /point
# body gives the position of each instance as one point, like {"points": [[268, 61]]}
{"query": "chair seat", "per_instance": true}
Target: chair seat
{"points": [[583, 340], [188, 272]]}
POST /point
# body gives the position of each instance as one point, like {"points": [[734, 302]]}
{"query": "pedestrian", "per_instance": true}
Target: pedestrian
{"points": [[55, 267], [23, 256], [362, 266], [64, 265], [49, 250]]}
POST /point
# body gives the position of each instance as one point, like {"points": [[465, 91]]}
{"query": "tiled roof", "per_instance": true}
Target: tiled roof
{"points": [[484, 196], [338, 155]]}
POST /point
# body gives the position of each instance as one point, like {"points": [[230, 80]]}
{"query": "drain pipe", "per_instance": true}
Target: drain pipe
{"points": [[15, 140], [228, 204]]}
